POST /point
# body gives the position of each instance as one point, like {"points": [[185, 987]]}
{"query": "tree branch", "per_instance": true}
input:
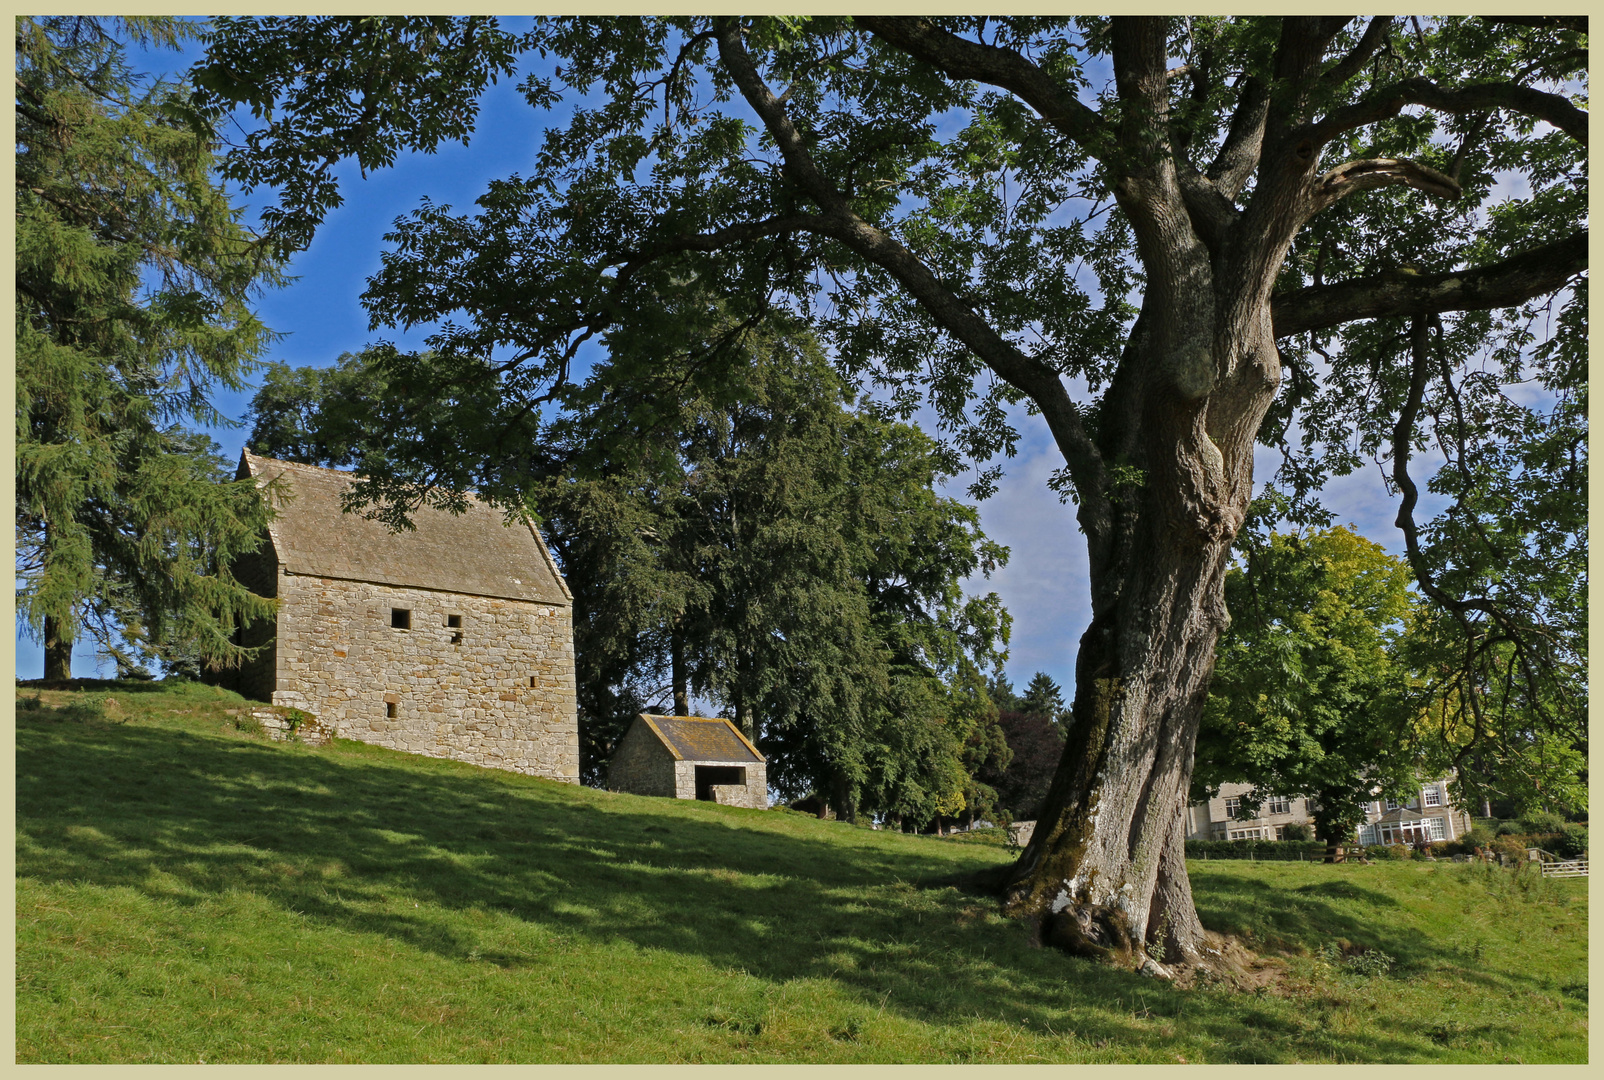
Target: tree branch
{"points": [[1375, 36], [1371, 173], [840, 222], [1387, 102], [1003, 68], [1513, 281], [1239, 154]]}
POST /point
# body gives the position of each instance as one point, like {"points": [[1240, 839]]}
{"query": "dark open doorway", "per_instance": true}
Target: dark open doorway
{"points": [[709, 775]]}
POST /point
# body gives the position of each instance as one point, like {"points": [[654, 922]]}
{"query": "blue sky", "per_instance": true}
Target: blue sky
{"points": [[320, 317]]}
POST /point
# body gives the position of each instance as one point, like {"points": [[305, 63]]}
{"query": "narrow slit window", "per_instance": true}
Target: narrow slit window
{"points": [[401, 618], [390, 709], [534, 680]]}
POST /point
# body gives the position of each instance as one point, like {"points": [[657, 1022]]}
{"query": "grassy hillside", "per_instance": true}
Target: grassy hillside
{"points": [[188, 891]]}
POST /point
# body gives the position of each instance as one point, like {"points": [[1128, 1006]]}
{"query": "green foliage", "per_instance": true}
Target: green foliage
{"points": [[734, 531], [1370, 963], [1308, 697], [1043, 697], [133, 282], [1542, 822], [1288, 849]]}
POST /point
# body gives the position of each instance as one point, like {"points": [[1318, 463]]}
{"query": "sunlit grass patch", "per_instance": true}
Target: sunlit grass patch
{"points": [[191, 891]]}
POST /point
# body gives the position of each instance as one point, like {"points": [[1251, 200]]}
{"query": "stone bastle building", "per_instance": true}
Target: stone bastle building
{"points": [[689, 757], [452, 640]]}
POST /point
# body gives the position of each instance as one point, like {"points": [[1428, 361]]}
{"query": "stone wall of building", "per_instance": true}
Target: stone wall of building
{"points": [[495, 689], [754, 794], [641, 765]]}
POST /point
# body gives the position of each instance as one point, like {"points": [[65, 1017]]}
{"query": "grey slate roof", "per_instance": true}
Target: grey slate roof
{"points": [[474, 553], [701, 738]]}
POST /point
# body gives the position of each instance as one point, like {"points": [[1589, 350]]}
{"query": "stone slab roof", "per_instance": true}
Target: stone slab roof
{"points": [[475, 553], [702, 738]]}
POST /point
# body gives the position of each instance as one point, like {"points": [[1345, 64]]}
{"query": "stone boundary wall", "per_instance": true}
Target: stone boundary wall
{"points": [[497, 691], [282, 725]]}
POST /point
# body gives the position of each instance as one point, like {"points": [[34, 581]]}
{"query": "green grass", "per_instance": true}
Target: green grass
{"points": [[189, 891]]}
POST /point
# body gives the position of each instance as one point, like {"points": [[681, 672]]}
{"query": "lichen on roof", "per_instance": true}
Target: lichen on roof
{"points": [[476, 553], [702, 738]]}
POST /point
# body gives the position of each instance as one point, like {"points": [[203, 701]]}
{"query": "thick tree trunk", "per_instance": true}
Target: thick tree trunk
{"points": [[1106, 866], [58, 651], [1105, 871]]}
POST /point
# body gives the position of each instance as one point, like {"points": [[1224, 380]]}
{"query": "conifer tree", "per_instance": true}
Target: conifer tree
{"points": [[133, 280]]}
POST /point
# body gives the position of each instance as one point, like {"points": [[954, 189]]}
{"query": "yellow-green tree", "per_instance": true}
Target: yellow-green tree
{"points": [[1310, 695]]}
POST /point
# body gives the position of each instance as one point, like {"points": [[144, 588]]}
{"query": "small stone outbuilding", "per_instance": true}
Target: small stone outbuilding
{"points": [[690, 757], [454, 639]]}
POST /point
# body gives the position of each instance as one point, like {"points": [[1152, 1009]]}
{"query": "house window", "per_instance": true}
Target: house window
{"points": [[1232, 807], [1247, 834], [1393, 804], [1439, 830], [401, 618], [1433, 796], [1278, 805]]}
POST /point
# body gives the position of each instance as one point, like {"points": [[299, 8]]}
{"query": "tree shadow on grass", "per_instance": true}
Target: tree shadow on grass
{"points": [[343, 837]]}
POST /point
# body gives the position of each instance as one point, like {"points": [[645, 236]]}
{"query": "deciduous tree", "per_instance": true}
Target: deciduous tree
{"points": [[1311, 695], [1157, 232]]}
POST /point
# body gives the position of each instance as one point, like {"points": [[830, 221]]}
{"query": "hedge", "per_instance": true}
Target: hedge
{"points": [[1307, 850]]}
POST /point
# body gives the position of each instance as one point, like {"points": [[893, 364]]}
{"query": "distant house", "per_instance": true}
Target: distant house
{"points": [[689, 757], [1427, 815], [454, 639]]}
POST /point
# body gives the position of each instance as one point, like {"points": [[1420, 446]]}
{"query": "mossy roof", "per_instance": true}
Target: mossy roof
{"points": [[476, 553], [701, 738]]}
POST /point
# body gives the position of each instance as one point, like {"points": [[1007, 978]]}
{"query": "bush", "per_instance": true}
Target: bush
{"points": [[1479, 836], [1508, 828], [1510, 848], [1389, 852], [1255, 849], [1541, 822], [1573, 841], [1298, 834]]}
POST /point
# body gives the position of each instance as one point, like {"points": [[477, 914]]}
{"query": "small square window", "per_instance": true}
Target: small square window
{"points": [[401, 618], [454, 622]]}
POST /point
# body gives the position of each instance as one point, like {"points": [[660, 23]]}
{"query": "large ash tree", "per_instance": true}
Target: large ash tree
{"points": [[1140, 227]]}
